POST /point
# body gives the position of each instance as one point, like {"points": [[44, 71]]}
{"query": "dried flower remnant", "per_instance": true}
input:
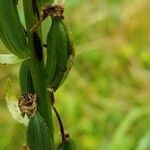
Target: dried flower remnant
{"points": [[27, 104], [50, 10], [53, 11]]}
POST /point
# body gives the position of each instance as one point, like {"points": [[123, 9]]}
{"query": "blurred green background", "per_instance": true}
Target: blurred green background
{"points": [[105, 101]]}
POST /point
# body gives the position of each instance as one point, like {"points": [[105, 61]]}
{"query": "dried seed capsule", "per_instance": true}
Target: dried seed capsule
{"points": [[67, 145], [38, 134], [11, 30]]}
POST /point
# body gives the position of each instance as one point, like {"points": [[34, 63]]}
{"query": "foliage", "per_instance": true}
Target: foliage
{"points": [[104, 102]]}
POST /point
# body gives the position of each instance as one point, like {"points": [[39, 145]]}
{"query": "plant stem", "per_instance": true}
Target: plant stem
{"points": [[37, 67], [61, 126]]}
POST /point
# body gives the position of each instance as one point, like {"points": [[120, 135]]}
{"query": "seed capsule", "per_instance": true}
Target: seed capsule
{"points": [[60, 54], [67, 145], [26, 83], [11, 30], [38, 134], [56, 52]]}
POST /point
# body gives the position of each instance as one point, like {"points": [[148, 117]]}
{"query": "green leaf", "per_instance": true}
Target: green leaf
{"points": [[12, 104], [9, 59]]}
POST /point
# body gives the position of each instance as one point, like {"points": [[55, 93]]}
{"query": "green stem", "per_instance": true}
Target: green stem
{"points": [[37, 67]]}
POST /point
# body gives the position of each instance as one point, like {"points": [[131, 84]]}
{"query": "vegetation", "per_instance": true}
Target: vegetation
{"points": [[104, 103]]}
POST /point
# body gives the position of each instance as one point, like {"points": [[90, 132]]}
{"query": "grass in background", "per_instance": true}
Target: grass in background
{"points": [[104, 102]]}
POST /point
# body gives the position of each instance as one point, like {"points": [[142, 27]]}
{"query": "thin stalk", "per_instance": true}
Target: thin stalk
{"points": [[37, 66], [61, 126]]}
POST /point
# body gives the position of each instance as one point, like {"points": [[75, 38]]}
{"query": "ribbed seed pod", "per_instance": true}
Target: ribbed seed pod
{"points": [[38, 135], [26, 83], [70, 57], [56, 52], [60, 63], [11, 30], [70, 46], [67, 145]]}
